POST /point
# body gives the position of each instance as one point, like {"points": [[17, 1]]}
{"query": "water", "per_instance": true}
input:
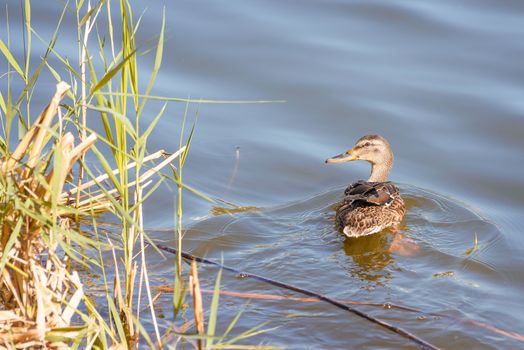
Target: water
{"points": [[441, 80]]}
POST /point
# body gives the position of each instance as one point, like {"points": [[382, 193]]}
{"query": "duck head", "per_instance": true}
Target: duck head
{"points": [[374, 149]]}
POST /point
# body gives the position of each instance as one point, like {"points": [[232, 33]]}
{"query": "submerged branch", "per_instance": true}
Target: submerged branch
{"points": [[420, 342], [386, 305], [262, 296]]}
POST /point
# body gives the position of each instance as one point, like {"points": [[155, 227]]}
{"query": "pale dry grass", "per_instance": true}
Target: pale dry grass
{"points": [[40, 293]]}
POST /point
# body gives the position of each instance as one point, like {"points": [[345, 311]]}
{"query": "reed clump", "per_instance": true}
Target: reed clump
{"points": [[39, 293], [49, 194]]}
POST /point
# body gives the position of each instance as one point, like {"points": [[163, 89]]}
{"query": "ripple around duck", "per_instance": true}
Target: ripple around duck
{"points": [[298, 243], [438, 224], [446, 227]]}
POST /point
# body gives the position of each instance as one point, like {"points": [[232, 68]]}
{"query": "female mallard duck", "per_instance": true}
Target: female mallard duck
{"points": [[373, 205]]}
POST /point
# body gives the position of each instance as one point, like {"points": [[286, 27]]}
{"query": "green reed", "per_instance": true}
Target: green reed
{"points": [[104, 81]]}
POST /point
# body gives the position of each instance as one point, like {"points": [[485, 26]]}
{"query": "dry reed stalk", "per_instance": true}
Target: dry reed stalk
{"points": [[101, 198], [83, 60], [37, 291], [144, 275], [38, 128], [197, 302], [104, 177]]}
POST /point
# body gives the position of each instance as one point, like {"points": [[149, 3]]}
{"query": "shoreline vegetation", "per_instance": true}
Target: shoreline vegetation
{"points": [[52, 200]]}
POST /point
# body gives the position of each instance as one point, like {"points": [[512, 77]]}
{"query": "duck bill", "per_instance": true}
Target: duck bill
{"points": [[342, 158]]}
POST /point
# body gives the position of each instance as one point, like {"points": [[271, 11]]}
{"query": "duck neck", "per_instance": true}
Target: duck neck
{"points": [[380, 172]]}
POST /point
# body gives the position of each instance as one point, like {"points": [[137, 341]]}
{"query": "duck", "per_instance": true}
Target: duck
{"points": [[370, 206]]}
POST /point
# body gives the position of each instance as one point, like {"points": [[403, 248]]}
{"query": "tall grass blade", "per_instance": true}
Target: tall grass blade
{"points": [[158, 60], [116, 318], [191, 100], [188, 144], [27, 10], [120, 117], [89, 13], [145, 135], [5, 50], [213, 313], [10, 243], [250, 333], [233, 322], [109, 75], [2, 104]]}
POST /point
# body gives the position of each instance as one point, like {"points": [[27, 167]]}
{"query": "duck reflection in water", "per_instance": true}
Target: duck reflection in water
{"points": [[371, 256]]}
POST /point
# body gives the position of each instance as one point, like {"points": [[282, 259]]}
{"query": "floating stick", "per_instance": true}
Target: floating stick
{"points": [[420, 342]]}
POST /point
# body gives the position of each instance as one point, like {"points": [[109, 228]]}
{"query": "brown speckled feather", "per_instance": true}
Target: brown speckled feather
{"points": [[370, 207]]}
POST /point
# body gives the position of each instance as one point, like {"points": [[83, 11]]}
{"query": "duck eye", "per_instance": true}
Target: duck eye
{"points": [[367, 144]]}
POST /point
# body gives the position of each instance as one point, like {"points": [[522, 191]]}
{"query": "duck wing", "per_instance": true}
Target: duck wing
{"points": [[370, 193], [369, 207]]}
